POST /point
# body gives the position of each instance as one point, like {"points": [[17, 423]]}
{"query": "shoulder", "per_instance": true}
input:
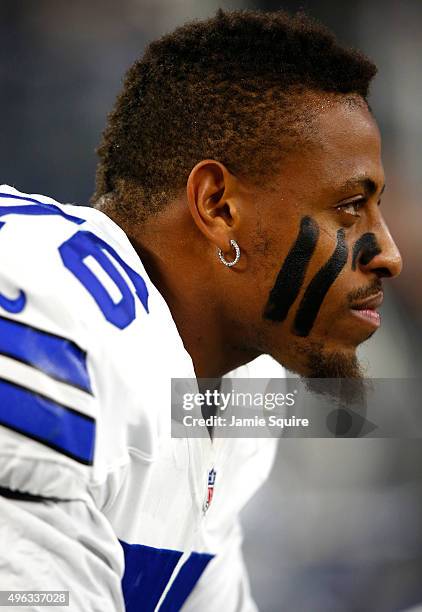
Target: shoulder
{"points": [[47, 223], [72, 256], [72, 298], [70, 290], [71, 271]]}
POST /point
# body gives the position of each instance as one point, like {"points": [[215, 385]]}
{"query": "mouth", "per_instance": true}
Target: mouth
{"points": [[366, 310]]}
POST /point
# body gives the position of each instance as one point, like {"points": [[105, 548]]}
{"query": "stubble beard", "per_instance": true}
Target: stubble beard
{"points": [[332, 373]]}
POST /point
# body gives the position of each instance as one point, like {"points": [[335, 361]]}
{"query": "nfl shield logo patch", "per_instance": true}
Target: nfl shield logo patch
{"points": [[211, 481]]}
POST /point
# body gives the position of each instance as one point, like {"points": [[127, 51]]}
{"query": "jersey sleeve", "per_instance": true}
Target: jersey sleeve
{"points": [[48, 404], [60, 546], [53, 533]]}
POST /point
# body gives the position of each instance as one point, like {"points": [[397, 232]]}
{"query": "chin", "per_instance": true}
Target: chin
{"points": [[334, 364], [336, 374], [317, 362], [318, 359]]}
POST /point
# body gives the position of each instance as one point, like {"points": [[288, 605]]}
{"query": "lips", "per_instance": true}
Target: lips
{"points": [[366, 309]]}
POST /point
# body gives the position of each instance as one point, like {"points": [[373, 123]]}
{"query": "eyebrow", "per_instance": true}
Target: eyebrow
{"points": [[369, 186]]}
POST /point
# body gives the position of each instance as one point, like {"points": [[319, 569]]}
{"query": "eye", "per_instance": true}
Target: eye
{"points": [[351, 208]]}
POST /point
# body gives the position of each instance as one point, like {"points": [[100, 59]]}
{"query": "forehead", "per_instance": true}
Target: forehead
{"points": [[349, 141], [340, 143]]}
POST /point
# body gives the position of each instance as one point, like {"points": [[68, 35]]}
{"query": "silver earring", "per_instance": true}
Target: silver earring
{"points": [[229, 264]]}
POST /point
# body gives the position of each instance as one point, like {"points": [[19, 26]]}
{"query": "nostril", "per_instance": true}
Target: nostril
{"points": [[382, 272]]}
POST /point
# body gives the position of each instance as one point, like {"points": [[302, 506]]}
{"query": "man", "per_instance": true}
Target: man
{"points": [[243, 163]]}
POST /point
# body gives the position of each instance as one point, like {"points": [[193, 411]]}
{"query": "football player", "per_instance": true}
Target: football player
{"points": [[237, 214]]}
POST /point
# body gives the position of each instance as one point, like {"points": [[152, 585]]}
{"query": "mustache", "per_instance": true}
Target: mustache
{"points": [[364, 292]]}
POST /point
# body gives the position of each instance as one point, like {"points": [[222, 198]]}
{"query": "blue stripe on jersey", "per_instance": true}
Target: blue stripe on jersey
{"points": [[58, 357], [40, 208], [186, 579], [148, 571], [44, 420]]}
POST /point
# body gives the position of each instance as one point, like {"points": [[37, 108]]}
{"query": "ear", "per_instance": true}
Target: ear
{"points": [[213, 196]]}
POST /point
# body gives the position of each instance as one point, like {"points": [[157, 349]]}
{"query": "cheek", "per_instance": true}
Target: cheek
{"points": [[319, 286], [290, 277], [314, 276], [295, 283]]}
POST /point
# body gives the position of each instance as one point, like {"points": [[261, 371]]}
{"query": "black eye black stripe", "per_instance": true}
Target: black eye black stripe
{"points": [[367, 248], [290, 278], [319, 286]]}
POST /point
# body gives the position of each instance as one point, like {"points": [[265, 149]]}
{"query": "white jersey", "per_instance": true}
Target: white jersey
{"points": [[96, 497]]}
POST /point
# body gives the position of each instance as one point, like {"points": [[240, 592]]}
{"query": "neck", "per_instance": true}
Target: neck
{"points": [[189, 292]]}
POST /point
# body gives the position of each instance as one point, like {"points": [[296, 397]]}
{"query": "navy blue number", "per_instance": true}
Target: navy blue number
{"points": [[73, 252], [83, 244]]}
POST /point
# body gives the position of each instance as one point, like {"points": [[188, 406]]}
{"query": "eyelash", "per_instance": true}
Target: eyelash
{"points": [[356, 206]]}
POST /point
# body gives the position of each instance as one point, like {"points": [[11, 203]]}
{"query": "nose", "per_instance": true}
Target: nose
{"points": [[387, 261]]}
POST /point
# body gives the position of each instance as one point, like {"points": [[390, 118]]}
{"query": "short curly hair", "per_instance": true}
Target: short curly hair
{"points": [[226, 88]]}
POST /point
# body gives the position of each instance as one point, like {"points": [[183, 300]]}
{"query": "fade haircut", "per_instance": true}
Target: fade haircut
{"points": [[228, 88]]}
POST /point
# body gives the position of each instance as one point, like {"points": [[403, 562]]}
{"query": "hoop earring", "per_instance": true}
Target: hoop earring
{"points": [[229, 264]]}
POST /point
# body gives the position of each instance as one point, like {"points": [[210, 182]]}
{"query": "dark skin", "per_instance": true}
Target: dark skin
{"points": [[337, 181]]}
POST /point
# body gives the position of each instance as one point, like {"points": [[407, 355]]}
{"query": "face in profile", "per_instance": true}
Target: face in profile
{"points": [[327, 247]]}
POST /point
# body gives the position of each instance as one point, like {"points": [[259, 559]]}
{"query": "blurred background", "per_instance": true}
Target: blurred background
{"points": [[338, 527]]}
